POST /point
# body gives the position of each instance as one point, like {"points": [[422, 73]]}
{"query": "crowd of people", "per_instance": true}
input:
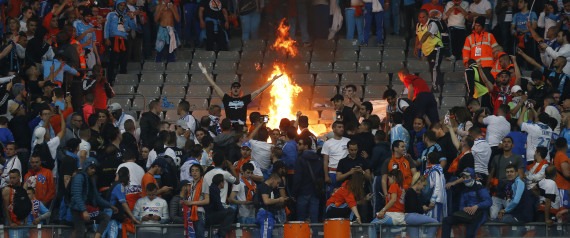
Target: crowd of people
{"points": [[69, 158]]}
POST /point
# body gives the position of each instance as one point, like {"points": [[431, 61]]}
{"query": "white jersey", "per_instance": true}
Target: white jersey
{"points": [[548, 188], [13, 163], [244, 210], [156, 207], [136, 172], [539, 135], [336, 150], [229, 178]]}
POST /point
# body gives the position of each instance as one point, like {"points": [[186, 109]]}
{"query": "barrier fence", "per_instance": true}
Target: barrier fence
{"points": [[489, 229]]}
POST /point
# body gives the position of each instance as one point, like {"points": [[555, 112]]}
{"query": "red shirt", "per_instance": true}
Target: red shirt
{"points": [[500, 96], [399, 204], [420, 85]]}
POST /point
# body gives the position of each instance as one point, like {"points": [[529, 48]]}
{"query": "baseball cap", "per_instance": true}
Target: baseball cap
{"points": [[246, 144], [504, 72], [39, 134], [236, 85], [114, 107], [516, 88]]}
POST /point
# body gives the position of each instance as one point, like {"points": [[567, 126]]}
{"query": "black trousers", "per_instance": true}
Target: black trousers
{"points": [[434, 61], [116, 59], [216, 35], [224, 218], [79, 224], [425, 103], [457, 37]]}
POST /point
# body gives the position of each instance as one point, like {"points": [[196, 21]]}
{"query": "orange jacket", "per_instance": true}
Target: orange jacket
{"points": [[404, 166], [45, 186], [485, 41], [341, 196]]}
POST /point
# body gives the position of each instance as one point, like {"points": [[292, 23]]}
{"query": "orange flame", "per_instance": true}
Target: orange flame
{"points": [[284, 91], [284, 43], [282, 94]]}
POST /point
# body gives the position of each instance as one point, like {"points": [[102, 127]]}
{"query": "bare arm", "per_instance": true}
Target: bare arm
{"points": [[517, 70], [528, 59], [256, 93], [217, 88], [175, 14], [488, 84], [566, 170], [255, 131], [454, 137], [204, 202], [271, 201], [6, 203], [158, 12], [384, 184], [326, 168]]}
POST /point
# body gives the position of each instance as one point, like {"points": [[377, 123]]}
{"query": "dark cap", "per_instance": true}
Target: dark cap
{"points": [[337, 97], [504, 72], [236, 85], [536, 74], [182, 183], [480, 20]]}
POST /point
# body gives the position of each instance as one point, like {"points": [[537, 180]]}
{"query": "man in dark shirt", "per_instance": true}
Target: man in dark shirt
{"points": [[235, 104], [216, 213], [446, 144], [269, 204], [380, 153], [109, 158], [353, 163], [364, 138], [303, 122], [343, 113], [149, 124]]}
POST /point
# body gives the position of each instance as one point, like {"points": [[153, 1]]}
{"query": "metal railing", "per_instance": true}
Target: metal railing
{"points": [[489, 229]]}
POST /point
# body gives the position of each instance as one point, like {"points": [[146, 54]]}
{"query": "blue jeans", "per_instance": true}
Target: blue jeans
{"points": [[378, 18], [308, 207], [351, 22], [375, 226], [301, 19], [250, 25], [191, 23], [394, 13], [199, 225], [413, 220], [332, 185]]}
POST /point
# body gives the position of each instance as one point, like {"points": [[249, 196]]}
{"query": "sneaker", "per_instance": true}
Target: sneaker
{"points": [[435, 89], [450, 58]]}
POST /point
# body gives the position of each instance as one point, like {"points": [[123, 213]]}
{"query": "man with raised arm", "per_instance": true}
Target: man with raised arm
{"points": [[235, 104]]}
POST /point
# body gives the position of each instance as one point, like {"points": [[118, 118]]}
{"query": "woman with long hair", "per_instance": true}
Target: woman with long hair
{"points": [[393, 213], [461, 121], [342, 203]]}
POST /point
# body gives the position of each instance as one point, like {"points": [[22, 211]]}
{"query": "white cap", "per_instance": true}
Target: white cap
{"points": [[515, 89], [39, 134]]}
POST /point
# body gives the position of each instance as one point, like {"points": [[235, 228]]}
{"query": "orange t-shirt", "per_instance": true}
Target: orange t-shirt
{"points": [[147, 179], [341, 196], [399, 204], [560, 158]]}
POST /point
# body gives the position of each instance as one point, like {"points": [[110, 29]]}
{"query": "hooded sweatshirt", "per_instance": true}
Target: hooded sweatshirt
{"points": [[114, 18]]}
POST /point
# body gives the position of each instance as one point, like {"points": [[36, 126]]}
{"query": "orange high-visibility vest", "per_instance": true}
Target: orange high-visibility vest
{"points": [[479, 47], [81, 53]]}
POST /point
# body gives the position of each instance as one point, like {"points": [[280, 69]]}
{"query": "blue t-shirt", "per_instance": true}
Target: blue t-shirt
{"points": [[58, 77], [38, 209], [81, 27], [520, 19], [118, 195], [6, 136]]}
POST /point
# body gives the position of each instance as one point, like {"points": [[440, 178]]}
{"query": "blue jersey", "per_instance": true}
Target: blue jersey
{"points": [[520, 19]]}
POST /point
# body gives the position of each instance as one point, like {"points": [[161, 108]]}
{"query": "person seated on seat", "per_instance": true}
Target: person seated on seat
{"points": [[393, 213]]}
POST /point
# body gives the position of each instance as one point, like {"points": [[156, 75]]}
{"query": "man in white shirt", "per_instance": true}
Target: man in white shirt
{"points": [[481, 151], [136, 172], [562, 50], [539, 133], [9, 162], [333, 151], [41, 134], [549, 196], [183, 111], [151, 210], [119, 117], [480, 8], [497, 127], [552, 110], [260, 149], [228, 173], [455, 12]]}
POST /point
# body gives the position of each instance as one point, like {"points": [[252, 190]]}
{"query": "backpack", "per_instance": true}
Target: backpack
{"points": [[21, 203], [246, 6], [45, 155]]}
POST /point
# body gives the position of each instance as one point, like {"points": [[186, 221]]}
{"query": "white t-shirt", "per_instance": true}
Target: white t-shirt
{"points": [[538, 135], [336, 150], [554, 113], [548, 188], [136, 172], [497, 128], [229, 178], [152, 155], [120, 123], [244, 210], [53, 143], [456, 19], [261, 153], [190, 123], [84, 146], [480, 8], [13, 163], [481, 151]]}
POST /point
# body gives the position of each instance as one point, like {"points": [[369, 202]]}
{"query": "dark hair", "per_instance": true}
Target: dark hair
{"points": [[254, 117], [262, 134], [184, 105], [218, 179], [92, 120], [196, 151], [15, 171], [543, 117], [351, 86], [123, 175], [368, 106], [543, 151], [475, 130], [469, 140], [552, 123], [72, 144], [511, 166], [303, 121], [226, 124], [284, 123], [396, 144], [397, 118], [389, 93], [374, 121], [129, 155], [505, 108], [550, 172], [151, 187], [351, 142], [561, 143], [398, 177], [336, 123], [462, 114], [306, 140], [291, 132], [367, 124], [434, 157], [207, 140], [510, 138], [205, 121], [153, 104], [380, 135], [430, 135], [219, 159], [3, 120], [247, 167], [199, 167]]}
